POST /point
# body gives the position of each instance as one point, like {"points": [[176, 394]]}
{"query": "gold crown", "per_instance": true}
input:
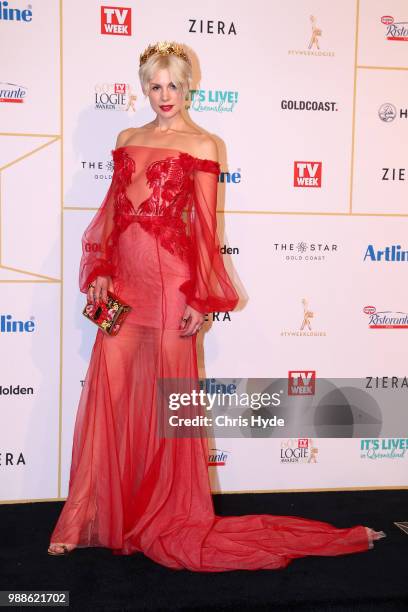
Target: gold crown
{"points": [[164, 48]]}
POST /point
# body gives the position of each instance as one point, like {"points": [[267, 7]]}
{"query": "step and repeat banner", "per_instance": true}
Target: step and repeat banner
{"points": [[308, 103]]}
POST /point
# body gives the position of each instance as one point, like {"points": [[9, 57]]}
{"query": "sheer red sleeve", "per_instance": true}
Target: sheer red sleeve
{"points": [[99, 255], [210, 289]]}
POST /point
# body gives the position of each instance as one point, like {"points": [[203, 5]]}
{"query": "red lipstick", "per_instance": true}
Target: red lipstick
{"points": [[166, 108]]}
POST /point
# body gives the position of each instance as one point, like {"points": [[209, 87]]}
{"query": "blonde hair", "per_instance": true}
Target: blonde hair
{"points": [[179, 69]]}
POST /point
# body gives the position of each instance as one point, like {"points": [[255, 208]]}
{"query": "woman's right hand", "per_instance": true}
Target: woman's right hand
{"points": [[98, 289]]}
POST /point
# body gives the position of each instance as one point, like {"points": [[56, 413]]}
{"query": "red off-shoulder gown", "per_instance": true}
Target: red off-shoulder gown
{"points": [[130, 490]]}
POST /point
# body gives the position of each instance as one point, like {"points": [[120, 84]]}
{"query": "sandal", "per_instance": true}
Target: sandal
{"points": [[65, 550]]}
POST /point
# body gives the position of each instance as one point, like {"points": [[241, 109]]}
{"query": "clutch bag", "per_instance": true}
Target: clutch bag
{"points": [[108, 316]]}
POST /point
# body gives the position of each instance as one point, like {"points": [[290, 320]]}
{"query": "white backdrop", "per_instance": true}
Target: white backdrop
{"points": [[67, 89]]}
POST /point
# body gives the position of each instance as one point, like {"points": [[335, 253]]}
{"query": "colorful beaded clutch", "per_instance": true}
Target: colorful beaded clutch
{"points": [[108, 316]]}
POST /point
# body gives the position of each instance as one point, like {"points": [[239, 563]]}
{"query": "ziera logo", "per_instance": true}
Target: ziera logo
{"points": [[7, 13], [116, 20], [9, 325], [301, 383], [307, 174]]}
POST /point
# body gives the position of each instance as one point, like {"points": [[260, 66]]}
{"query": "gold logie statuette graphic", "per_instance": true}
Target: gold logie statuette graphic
{"points": [[305, 328], [316, 32], [313, 45]]}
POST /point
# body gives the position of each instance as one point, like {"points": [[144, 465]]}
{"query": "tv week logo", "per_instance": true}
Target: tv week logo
{"points": [[301, 383], [116, 20], [307, 174]]}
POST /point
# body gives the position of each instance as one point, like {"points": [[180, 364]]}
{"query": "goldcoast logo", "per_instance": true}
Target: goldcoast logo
{"points": [[8, 325]]}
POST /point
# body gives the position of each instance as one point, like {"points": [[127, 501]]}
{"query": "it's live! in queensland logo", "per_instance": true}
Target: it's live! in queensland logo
{"points": [[116, 20]]}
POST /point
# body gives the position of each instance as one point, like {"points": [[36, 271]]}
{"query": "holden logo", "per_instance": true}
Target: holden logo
{"points": [[387, 20], [387, 112], [369, 310]]}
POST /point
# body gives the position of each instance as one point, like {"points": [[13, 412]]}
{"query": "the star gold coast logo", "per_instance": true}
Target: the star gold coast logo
{"points": [[305, 328], [313, 43]]}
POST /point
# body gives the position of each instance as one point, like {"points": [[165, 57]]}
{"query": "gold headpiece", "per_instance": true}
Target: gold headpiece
{"points": [[164, 48]]}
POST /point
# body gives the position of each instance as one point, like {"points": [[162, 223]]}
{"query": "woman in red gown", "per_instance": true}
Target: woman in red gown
{"points": [[131, 490]]}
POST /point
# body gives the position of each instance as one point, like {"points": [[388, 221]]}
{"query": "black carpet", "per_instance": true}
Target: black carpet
{"points": [[98, 580]]}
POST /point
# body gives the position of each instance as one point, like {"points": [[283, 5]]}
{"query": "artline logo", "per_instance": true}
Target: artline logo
{"points": [[395, 30], [230, 177], [307, 174], [305, 328], [301, 383], [217, 457], [386, 319], [215, 100], [308, 105], [384, 448], [12, 93], [392, 253], [100, 170], [10, 325], [8, 459], [8, 13], [209, 26], [304, 251], [116, 20], [313, 47], [298, 450], [115, 96]]}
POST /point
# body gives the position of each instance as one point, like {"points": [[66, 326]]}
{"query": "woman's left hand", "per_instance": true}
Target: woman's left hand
{"points": [[191, 322]]}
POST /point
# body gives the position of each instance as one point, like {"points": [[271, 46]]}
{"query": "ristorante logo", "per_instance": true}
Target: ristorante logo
{"points": [[307, 174], [392, 253], [115, 96], [298, 450], [309, 105], [313, 44], [386, 319], [217, 457], [8, 325], [210, 26], [215, 100], [395, 30], [12, 93], [100, 170], [116, 20], [304, 251], [10, 13]]}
